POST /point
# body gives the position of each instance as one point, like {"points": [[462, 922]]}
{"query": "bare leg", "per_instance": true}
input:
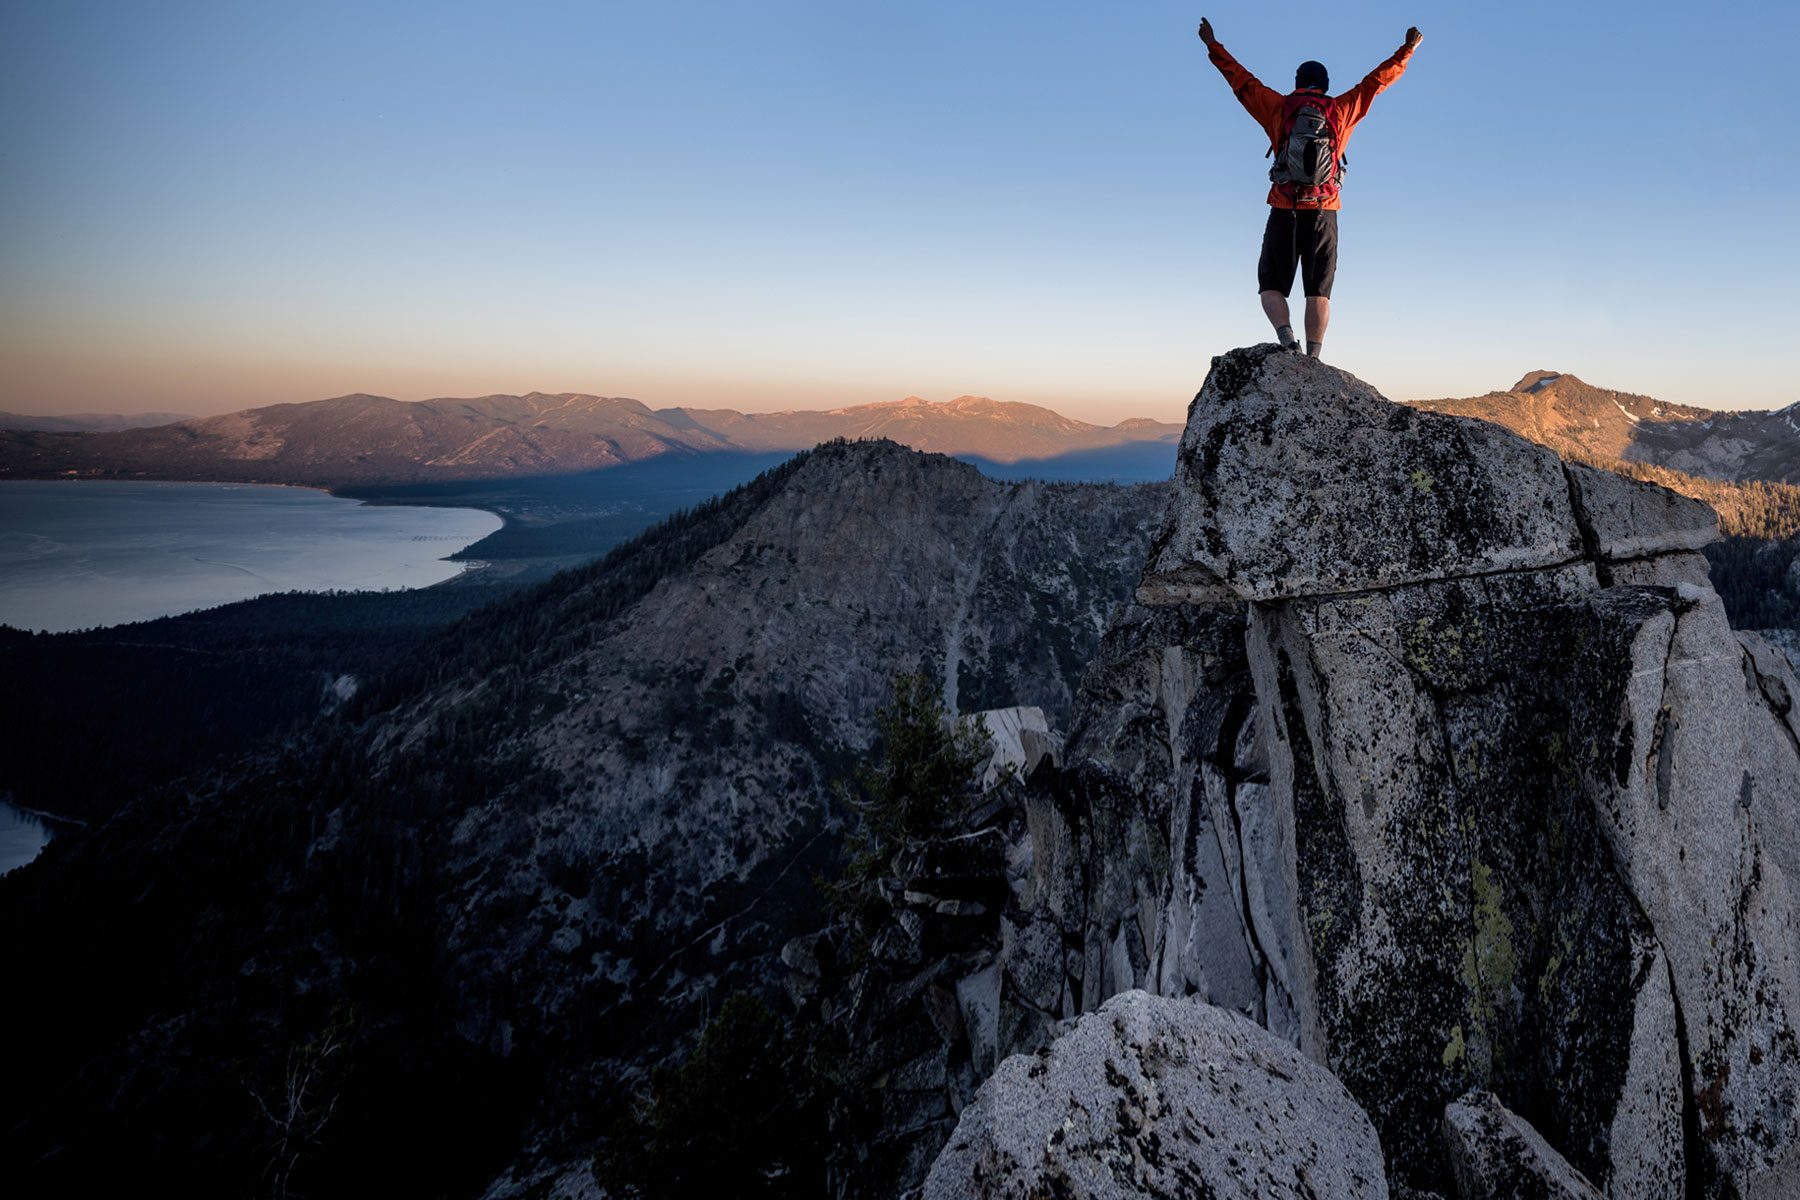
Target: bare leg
{"points": [[1318, 316], [1275, 307]]}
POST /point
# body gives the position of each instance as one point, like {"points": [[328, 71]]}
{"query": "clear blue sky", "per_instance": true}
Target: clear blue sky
{"points": [[211, 205]]}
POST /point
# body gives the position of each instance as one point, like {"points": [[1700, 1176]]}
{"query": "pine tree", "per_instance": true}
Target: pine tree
{"points": [[926, 770]]}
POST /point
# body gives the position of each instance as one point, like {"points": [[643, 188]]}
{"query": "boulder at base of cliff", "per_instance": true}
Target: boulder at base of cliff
{"points": [[1497, 1156], [1157, 1097]]}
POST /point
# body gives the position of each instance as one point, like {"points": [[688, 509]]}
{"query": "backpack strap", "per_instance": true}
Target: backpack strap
{"points": [[1293, 102]]}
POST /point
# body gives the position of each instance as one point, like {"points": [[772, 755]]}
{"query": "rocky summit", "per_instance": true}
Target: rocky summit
{"points": [[1436, 757], [1297, 483]]}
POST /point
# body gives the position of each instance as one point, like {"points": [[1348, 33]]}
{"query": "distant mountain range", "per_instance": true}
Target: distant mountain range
{"points": [[369, 440], [365, 439], [89, 422], [1579, 420]]}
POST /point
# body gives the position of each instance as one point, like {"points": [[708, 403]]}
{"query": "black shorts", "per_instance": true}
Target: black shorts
{"points": [[1304, 238]]}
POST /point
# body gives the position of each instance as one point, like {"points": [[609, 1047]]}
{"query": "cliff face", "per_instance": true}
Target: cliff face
{"points": [[1438, 758]]}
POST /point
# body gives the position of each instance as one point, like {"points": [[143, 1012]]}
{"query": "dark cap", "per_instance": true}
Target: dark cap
{"points": [[1312, 75]]}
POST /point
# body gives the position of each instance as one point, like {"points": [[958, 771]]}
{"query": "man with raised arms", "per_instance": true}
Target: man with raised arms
{"points": [[1308, 130]]}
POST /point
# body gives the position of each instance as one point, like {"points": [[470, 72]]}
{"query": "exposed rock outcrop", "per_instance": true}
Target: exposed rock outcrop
{"points": [[1497, 1156], [1436, 756], [1300, 480], [1157, 1097], [1534, 804], [1138, 846], [1021, 739]]}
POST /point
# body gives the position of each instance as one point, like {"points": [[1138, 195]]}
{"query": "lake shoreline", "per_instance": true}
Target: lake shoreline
{"points": [[338, 491], [131, 551], [471, 567], [24, 834], [49, 817]]}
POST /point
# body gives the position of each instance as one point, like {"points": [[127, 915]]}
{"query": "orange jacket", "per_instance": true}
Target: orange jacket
{"points": [[1265, 104]]}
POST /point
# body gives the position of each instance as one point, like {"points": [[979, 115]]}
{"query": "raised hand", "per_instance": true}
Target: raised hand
{"points": [[1413, 36], [1206, 32]]}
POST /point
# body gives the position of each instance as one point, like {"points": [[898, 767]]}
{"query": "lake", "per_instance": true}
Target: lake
{"points": [[74, 555], [21, 837]]}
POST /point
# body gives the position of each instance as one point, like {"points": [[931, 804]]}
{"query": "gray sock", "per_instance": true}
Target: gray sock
{"points": [[1313, 348], [1285, 335]]}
